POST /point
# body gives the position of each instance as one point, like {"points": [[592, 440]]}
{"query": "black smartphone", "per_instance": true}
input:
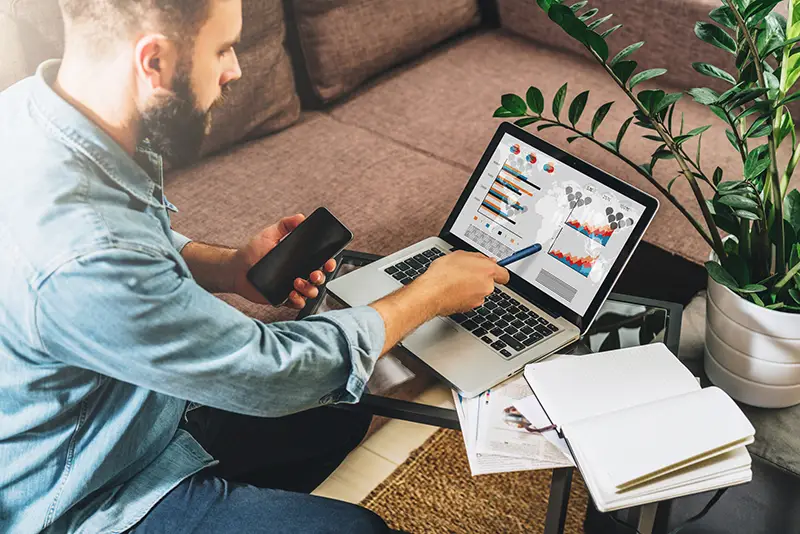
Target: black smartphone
{"points": [[317, 239]]}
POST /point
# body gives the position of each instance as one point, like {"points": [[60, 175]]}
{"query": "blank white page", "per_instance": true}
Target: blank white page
{"points": [[571, 389], [655, 439]]}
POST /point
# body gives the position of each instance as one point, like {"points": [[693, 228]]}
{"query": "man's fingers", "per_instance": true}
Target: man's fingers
{"points": [[330, 266], [287, 224], [306, 288], [501, 275], [317, 278], [296, 301]]}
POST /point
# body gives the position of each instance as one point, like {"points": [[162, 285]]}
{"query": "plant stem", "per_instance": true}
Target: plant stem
{"points": [[793, 271], [739, 141], [787, 176], [782, 89], [661, 189], [698, 169], [773, 179], [716, 244]]}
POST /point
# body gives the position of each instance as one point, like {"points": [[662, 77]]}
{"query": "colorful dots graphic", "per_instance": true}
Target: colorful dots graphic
{"points": [[549, 168], [531, 158], [515, 149]]}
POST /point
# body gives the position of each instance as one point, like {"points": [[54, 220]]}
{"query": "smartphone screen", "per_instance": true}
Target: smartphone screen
{"points": [[316, 240]]}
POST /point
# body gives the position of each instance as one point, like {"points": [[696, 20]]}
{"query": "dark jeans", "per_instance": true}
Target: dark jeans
{"points": [[266, 469]]}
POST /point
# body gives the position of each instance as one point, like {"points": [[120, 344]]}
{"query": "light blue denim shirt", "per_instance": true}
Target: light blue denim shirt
{"points": [[105, 335]]}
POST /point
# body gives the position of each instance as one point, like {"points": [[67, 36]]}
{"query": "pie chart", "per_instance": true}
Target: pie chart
{"points": [[549, 168], [515, 149]]}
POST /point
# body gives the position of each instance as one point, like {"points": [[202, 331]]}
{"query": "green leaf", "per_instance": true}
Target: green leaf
{"points": [[535, 100], [761, 126], [624, 69], [546, 126], [795, 294], [720, 275], [743, 97], [611, 30], [558, 100], [667, 101], [791, 98], [791, 209], [577, 106], [698, 130], [749, 215], [622, 130], [776, 46], [740, 202], [599, 21], [565, 18], [645, 75], [527, 121], [717, 176], [596, 43], [737, 267], [669, 185], [577, 6], [704, 95], [514, 104], [600, 115], [715, 36], [732, 139], [723, 15], [759, 9], [650, 99], [755, 165], [573, 138], [589, 14], [625, 52], [715, 72], [751, 288], [504, 113]]}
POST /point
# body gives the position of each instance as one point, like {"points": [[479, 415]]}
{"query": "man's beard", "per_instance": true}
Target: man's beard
{"points": [[175, 126]]}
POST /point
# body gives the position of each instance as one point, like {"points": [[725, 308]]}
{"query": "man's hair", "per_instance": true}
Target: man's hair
{"points": [[101, 20]]}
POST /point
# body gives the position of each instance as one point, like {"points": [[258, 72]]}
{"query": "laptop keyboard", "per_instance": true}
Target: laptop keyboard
{"points": [[503, 322]]}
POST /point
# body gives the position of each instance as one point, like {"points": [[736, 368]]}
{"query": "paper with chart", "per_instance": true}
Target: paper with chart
{"points": [[525, 196], [503, 430]]}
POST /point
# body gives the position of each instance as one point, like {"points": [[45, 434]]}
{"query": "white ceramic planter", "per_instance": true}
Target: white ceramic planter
{"points": [[751, 352]]}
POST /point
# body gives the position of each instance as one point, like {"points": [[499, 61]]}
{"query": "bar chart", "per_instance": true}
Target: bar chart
{"points": [[511, 191]]}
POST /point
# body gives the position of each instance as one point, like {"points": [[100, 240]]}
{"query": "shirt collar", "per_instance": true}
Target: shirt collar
{"points": [[85, 136]]}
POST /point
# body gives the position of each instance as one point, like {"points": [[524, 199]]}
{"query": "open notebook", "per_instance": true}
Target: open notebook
{"points": [[640, 427]]}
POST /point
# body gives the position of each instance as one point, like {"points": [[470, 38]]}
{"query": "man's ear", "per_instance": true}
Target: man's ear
{"points": [[156, 58]]}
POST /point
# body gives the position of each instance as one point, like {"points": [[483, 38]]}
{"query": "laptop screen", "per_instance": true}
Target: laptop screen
{"points": [[526, 196]]}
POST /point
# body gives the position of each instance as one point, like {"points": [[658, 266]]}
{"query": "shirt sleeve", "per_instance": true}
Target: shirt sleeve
{"points": [[179, 240], [131, 315]]}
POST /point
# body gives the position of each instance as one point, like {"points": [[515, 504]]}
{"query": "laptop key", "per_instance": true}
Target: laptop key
{"points": [[480, 331], [489, 305], [533, 323], [391, 269], [398, 276], [497, 332], [498, 345], [511, 342], [483, 311], [505, 353], [487, 340], [492, 318], [420, 258], [536, 336], [471, 313], [529, 341], [501, 323], [469, 325], [517, 323], [413, 263], [403, 266], [458, 317], [406, 281], [519, 336], [526, 329], [510, 329], [543, 330]]}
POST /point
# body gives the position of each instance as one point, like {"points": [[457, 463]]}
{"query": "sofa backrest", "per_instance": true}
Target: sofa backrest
{"points": [[666, 26], [263, 101], [345, 42]]}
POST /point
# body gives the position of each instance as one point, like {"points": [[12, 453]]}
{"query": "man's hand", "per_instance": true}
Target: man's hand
{"points": [[453, 283], [257, 248]]}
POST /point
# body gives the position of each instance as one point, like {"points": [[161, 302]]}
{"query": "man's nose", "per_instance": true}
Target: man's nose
{"points": [[234, 72]]}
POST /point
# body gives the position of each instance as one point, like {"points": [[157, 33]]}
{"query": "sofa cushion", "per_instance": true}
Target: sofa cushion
{"points": [[264, 99], [376, 186], [262, 102], [344, 42], [454, 121]]}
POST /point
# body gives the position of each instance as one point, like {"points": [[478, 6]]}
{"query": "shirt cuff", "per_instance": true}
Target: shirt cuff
{"points": [[179, 240], [365, 331]]}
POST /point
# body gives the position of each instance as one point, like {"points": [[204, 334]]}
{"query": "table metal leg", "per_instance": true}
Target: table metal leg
{"points": [[647, 518], [559, 500]]}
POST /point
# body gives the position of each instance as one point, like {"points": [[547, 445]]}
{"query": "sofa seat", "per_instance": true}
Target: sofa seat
{"points": [[442, 105]]}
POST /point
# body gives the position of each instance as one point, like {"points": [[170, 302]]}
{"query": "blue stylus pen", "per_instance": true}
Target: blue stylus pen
{"points": [[520, 255]]}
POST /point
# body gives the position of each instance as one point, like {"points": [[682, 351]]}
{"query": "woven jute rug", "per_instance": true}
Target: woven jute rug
{"points": [[433, 491]]}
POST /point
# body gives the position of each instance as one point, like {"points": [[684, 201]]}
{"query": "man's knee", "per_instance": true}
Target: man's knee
{"points": [[353, 427]]}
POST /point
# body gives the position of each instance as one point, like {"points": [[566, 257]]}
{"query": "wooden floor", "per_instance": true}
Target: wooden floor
{"points": [[377, 458]]}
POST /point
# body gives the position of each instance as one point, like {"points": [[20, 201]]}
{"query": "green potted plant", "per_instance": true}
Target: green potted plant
{"points": [[750, 218]]}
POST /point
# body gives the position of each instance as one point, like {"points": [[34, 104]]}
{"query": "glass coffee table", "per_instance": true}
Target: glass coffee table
{"points": [[623, 321]]}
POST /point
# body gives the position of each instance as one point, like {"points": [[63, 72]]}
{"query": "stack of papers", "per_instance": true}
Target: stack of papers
{"points": [[498, 431]]}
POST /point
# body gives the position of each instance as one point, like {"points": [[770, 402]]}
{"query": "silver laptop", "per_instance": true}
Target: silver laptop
{"points": [[524, 191]]}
